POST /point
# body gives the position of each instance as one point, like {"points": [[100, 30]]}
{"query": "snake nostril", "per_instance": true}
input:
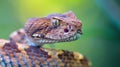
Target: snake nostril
{"points": [[66, 30]]}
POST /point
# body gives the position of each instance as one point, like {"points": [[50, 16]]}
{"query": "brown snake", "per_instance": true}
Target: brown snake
{"points": [[24, 47]]}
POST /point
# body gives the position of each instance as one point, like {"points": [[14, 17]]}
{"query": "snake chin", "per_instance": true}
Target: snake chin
{"points": [[50, 41]]}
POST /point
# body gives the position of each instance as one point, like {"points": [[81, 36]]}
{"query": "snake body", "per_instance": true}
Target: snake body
{"points": [[20, 55], [24, 49]]}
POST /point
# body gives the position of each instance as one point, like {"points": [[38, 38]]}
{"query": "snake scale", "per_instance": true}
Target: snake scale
{"points": [[24, 49]]}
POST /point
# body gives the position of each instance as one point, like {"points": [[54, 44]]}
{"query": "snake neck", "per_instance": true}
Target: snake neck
{"points": [[32, 43]]}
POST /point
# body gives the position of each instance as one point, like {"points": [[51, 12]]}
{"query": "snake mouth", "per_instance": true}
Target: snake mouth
{"points": [[76, 36]]}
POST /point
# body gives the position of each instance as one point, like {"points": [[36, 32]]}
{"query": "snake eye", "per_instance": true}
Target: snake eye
{"points": [[55, 22]]}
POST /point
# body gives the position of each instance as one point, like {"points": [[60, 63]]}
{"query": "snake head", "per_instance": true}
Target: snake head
{"points": [[54, 28]]}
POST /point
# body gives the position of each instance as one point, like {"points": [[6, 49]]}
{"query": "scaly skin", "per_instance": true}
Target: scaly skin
{"points": [[39, 31], [20, 55], [51, 29]]}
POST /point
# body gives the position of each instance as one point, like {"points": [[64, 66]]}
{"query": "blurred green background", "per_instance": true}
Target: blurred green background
{"points": [[100, 18]]}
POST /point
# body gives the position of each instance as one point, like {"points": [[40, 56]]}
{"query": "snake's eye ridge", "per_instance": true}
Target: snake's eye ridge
{"points": [[55, 22]]}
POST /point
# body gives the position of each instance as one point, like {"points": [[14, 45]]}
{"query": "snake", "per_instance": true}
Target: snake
{"points": [[25, 46]]}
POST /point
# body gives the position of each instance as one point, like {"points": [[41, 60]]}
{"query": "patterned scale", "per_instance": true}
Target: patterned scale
{"points": [[20, 55]]}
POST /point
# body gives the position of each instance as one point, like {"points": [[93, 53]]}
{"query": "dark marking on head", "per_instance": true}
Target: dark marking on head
{"points": [[50, 28], [39, 29]]}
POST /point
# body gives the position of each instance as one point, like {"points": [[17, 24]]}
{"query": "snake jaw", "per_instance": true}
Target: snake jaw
{"points": [[50, 40]]}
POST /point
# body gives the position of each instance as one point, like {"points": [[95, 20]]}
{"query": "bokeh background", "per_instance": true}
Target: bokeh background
{"points": [[101, 25]]}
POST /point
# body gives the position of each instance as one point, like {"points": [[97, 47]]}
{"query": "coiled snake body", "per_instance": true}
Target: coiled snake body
{"points": [[24, 49]]}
